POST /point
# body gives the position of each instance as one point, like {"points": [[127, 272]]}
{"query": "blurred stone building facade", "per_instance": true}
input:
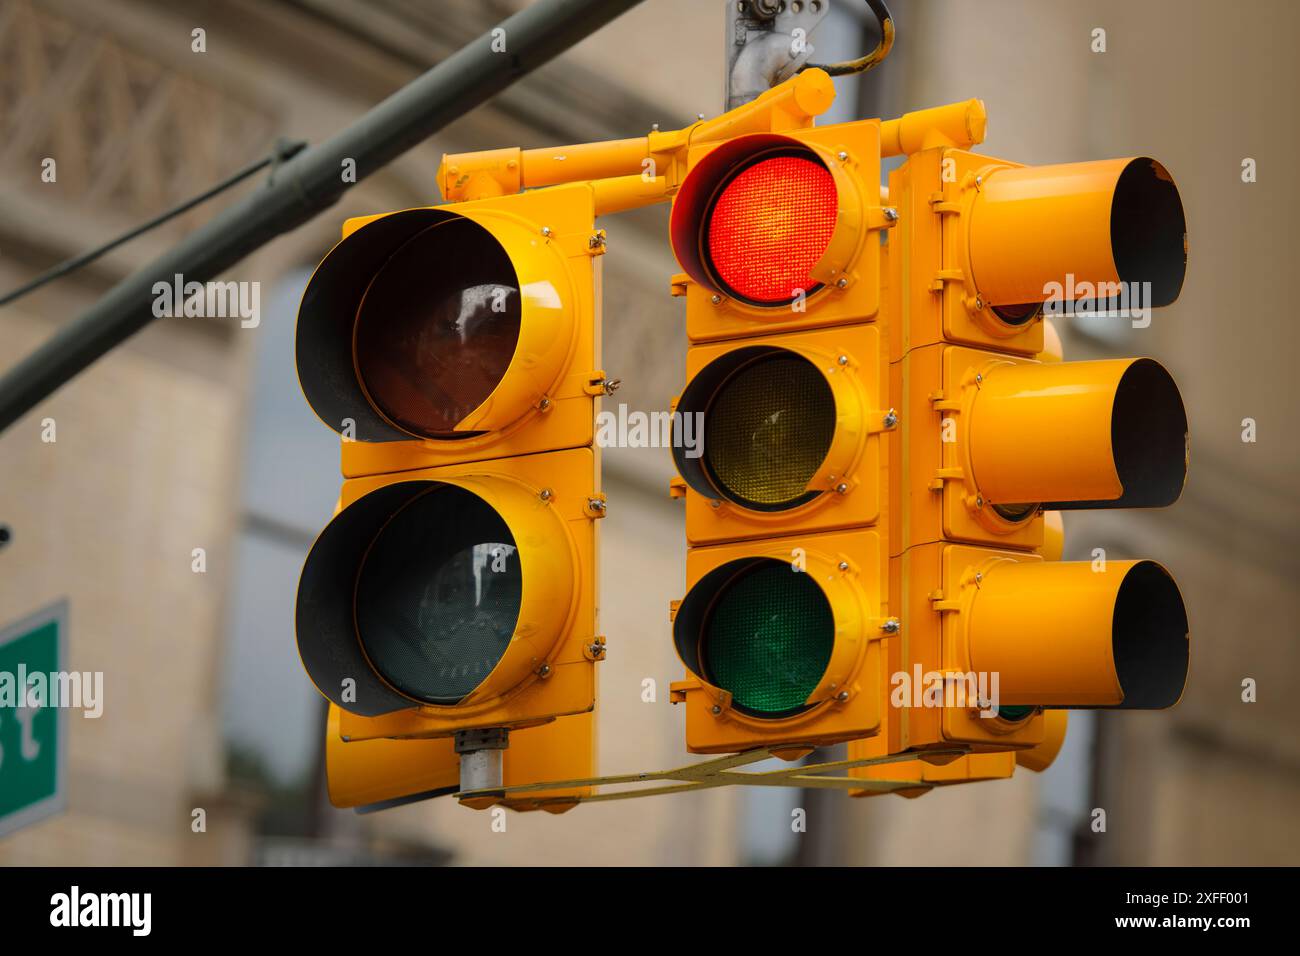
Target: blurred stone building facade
{"points": [[192, 435]]}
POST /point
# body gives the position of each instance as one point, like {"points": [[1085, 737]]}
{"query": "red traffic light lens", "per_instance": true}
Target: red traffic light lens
{"points": [[769, 224]]}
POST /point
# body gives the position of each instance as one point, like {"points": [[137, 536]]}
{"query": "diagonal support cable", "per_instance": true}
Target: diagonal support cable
{"points": [[720, 772]]}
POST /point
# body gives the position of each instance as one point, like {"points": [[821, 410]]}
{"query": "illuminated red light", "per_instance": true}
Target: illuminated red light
{"points": [[769, 226]]}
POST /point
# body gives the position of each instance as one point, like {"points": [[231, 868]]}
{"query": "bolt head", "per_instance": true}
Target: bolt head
{"points": [[546, 230], [891, 214], [715, 298], [546, 494], [979, 502], [715, 709], [979, 379], [843, 360], [842, 488], [842, 695], [844, 565], [842, 156], [842, 283], [891, 419]]}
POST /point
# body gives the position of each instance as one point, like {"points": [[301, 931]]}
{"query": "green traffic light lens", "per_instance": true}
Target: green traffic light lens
{"points": [[438, 595], [767, 639], [437, 328], [768, 430]]}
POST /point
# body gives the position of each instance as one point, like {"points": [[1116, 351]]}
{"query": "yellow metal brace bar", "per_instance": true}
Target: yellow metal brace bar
{"points": [[629, 173], [636, 165]]}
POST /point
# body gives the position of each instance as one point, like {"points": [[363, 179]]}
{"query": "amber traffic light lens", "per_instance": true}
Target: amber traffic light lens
{"points": [[768, 638], [437, 328], [768, 430], [768, 225], [438, 595]]}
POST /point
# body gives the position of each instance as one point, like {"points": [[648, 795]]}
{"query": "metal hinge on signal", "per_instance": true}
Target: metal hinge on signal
{"points": [[939, 205], [678, 689], [941, 604], [599, 384], [946, 275], [945, 474], [941, 404]]}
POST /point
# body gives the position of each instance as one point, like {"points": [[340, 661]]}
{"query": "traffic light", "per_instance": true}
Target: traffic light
{"points": [[455, 351], [781, 624], [997, 435]]}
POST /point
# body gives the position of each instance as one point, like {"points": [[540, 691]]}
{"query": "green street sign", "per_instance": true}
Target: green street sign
{"points": [[33, 733]]}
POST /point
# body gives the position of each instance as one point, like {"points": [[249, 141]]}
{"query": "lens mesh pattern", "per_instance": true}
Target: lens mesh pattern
{"points": [[437, 328], [438, 595], [768, 431], [768, 639], [770, 225]]}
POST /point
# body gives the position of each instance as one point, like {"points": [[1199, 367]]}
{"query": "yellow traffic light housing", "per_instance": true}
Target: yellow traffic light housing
{"points": [[992, 245], [927, 771], [453, 333], [998, 435], [379, 773], [455, 350], [782, 624], [777, 231], [782, 639], [457, 597], [1007, 436], [786, 434]]}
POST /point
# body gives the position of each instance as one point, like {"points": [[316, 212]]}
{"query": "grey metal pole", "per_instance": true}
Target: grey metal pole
{"points": [[308, 184]]}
